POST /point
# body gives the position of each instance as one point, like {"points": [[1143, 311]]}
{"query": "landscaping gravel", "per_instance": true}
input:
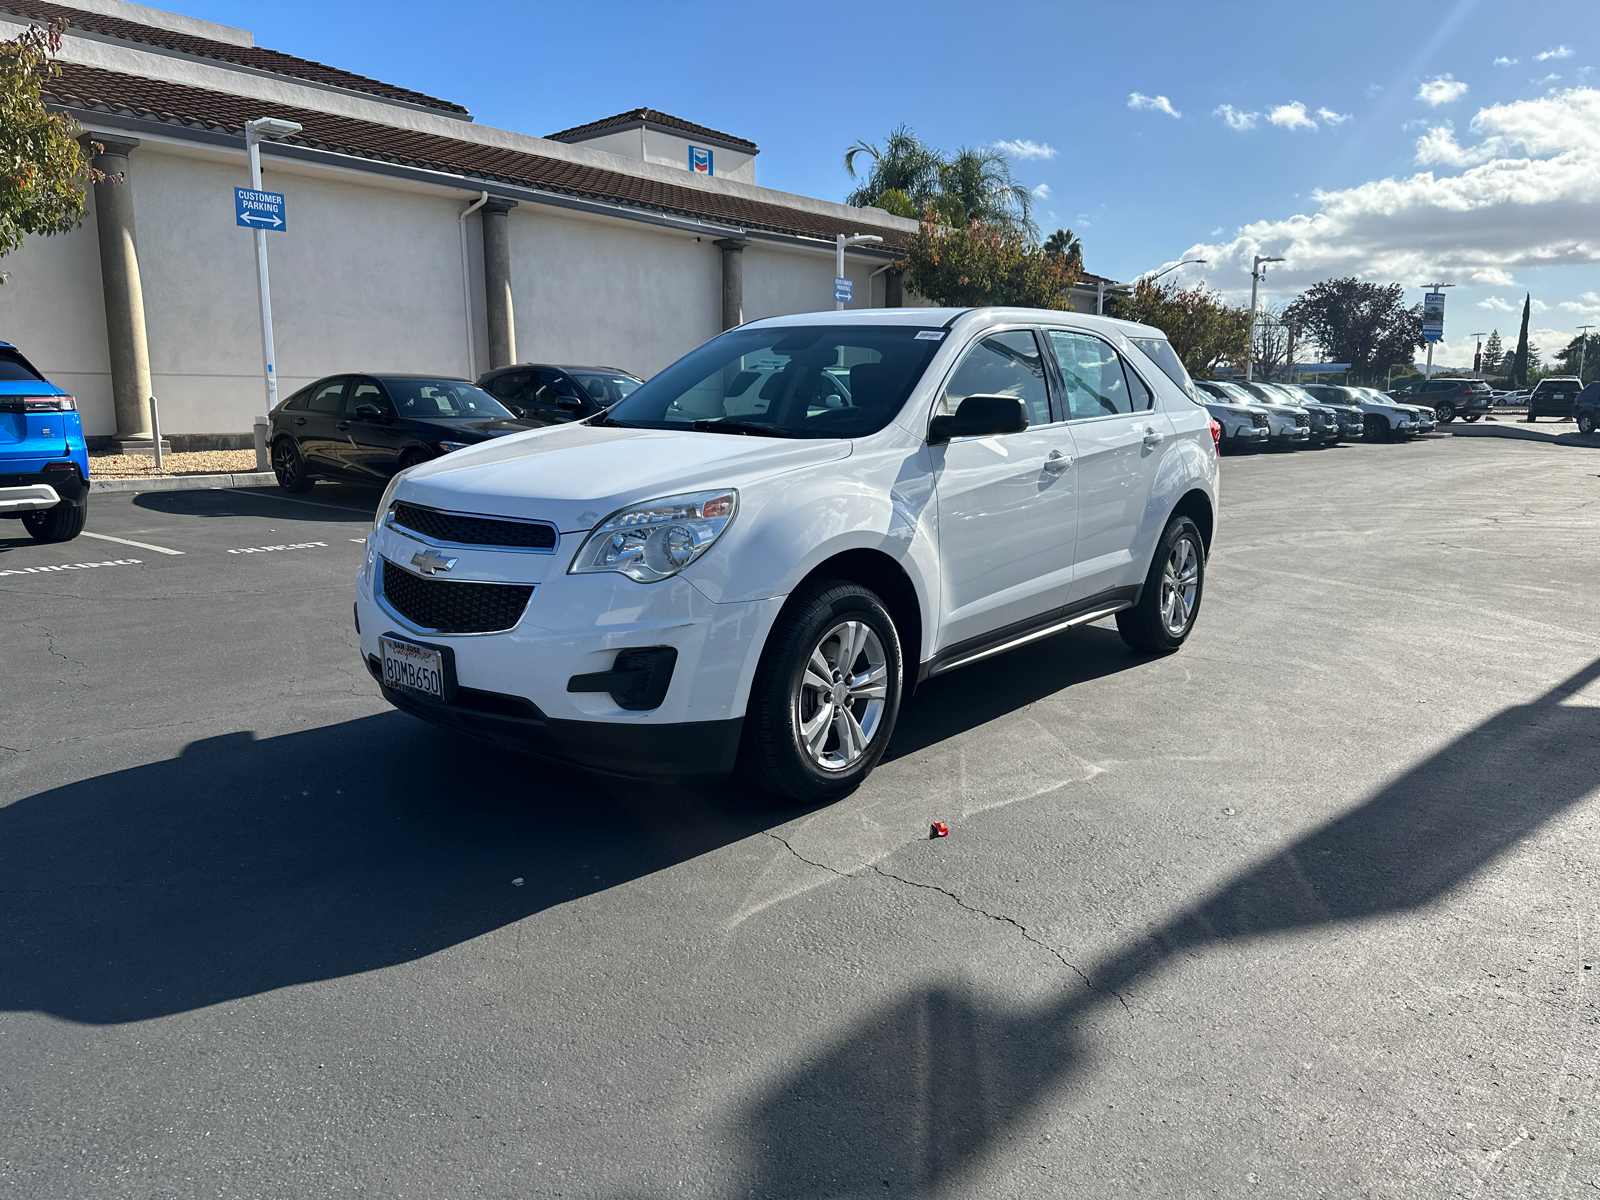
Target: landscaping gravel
{"points": [[194, 462]]}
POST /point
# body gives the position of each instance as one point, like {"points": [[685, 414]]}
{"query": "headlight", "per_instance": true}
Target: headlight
{"points": [[446, 447], [383, 504], [657, 539]]}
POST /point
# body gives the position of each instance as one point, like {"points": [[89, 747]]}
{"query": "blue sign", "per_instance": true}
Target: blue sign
{"points": [[843, 289], [1432, 316], [700, 161], [259, 210]]}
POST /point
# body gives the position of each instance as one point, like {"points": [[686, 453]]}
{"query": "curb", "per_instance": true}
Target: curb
{"points": [[185, 483]]}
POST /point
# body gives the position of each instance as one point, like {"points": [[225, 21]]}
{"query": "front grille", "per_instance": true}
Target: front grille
{"points": [[474, 531], [1302, 419], [449, 606], [1259, 420]]}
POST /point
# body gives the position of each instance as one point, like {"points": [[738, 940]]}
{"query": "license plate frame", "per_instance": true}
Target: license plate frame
{"points": [[415, 668]]}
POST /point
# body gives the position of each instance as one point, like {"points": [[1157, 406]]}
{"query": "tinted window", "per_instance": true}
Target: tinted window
{"points": [[435, 399], [1164, 356], [296, 402], [325, 398], [1092, 372], [511, 385], [1002, 364], [14, 370], [797, 380], [364, 391], [607, 388], [1141, 395]]}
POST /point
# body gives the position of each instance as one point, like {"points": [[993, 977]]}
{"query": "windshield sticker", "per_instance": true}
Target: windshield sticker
{"points": [[771, 364], [929, 335]]}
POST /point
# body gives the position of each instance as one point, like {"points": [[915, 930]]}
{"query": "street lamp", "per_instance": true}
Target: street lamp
{"points": [[254, 131], [1174, 267], [1256, 276], [855, 239]]}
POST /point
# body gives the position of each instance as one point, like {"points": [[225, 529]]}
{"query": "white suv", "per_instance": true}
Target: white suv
{"points": [[758, 554]]}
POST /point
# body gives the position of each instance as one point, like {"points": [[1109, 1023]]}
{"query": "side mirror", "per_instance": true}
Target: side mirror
{"points": [[571, 403], [980, 416], [369, 412]]}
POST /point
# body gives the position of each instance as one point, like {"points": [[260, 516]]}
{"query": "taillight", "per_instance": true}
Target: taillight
{"points": [[1216, 437], [37, 404], [61, 466]]}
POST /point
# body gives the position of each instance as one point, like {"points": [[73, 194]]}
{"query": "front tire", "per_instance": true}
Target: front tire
{"points": [[290, 466], [1586, 422], [59, 524], [1160, 623], [826, 694], [1377, 429], [1446, 413]]}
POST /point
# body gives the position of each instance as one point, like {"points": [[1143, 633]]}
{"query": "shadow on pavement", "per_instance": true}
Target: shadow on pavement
{"points": [[1552, 434], [247, 865], [914, 1094], [325, 502]]}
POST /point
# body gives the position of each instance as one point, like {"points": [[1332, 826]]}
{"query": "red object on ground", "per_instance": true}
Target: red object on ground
{"points": [[1216, 436], [939, 829]]}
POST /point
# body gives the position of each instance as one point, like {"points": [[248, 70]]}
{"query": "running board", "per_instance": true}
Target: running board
{"points": [[1083, 618]]}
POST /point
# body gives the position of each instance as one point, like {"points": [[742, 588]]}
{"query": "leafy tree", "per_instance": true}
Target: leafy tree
{"points": [[1519, 365], [976, 264], [973, 185], [44, 172], [893, 200], [1063, 244], [1576, 357], [1493, 352], [1205, 332], [1364, 324]]}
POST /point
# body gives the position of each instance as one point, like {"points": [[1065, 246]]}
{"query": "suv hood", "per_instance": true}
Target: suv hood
{"points": [[577, 475]]}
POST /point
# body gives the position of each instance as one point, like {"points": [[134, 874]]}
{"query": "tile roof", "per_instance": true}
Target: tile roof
{"points": [[248, 56], [648, 116], [85, 90]]}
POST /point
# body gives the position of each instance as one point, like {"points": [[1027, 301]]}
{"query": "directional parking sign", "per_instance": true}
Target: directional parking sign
{"points": [[843, 289], [259, 210]]}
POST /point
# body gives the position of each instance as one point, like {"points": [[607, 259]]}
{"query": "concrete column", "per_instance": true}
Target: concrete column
{"points": [[497, 282], [893, 292], [124, 294], [732, 281]]}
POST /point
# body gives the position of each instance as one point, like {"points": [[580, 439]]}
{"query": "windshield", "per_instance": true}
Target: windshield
{"points": [[1161, 353], [607, 387], [442, 399], [821, 381]]}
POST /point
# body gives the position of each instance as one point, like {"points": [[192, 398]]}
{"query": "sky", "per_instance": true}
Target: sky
{"points": [[1456, 141]]}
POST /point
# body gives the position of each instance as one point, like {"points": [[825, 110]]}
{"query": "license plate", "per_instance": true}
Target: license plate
{"points": [[413, 668]]}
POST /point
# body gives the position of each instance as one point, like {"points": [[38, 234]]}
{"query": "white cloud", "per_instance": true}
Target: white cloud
{"points": [[1523, 192], [1042, 192], [1496, 304], [1442, 90], [1023, 148], [1218, 231], [1586, 305], [1550, 78], [1331, 117], [1138, 100], [1291, 116], [1503, 61], [1558, 52], [1236, 118], [1374, 88]]}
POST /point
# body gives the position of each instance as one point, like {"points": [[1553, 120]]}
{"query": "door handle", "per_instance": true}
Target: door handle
{"points": [[344, 424], [1056, 462], [299, 420], [1151, 437]]}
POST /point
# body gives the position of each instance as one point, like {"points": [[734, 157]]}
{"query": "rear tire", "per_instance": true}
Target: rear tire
{"points": [[1586, 422], [59, 524], [1469, 418], [411, 458], [290, 466], [826, 694], [1162, 620]]}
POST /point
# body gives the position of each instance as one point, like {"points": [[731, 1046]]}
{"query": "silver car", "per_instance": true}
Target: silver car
{"points": [[1385, 418], [1287, 425], [1245, 426]]}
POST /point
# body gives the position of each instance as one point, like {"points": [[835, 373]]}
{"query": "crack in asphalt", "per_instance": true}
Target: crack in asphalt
{"points": [[971, 908]]}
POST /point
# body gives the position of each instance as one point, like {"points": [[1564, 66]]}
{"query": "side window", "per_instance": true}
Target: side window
{"points": [[1002, 364], [296, 402], [1092, 371], [364, 391], [326, 397], [1137, 391], [511, 385]]}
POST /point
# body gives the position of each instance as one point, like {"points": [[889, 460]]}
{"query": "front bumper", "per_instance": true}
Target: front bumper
{"points": [[510, 687]]}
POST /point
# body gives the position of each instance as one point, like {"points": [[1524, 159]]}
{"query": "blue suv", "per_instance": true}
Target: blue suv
{"points": [[44, 461]]}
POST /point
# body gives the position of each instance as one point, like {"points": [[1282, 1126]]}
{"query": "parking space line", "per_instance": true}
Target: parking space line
{"points": [[297, 500], [106, 537]]}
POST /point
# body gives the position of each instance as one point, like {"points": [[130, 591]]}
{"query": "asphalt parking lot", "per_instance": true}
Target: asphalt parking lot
{"points": [[1306, 909]]}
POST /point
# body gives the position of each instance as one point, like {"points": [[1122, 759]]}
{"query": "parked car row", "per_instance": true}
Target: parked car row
{"points": [[1283, 416], [365, 428]]}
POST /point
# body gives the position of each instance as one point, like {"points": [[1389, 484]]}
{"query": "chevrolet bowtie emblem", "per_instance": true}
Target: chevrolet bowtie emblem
{"points": [[430, 562]]}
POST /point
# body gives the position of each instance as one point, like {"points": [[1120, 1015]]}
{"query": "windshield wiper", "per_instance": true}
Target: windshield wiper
{"points": [[720, 425], [604, 419]]}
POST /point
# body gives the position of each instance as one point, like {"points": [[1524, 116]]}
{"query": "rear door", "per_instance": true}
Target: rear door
{"points": [[1121, 438], [316, 426]]}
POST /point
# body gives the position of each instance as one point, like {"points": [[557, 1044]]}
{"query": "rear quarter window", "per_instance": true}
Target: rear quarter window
{"points": [[15, 369]]}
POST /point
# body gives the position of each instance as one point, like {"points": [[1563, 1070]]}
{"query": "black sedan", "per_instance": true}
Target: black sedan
{"points": [[364, 428], [551, 395]]}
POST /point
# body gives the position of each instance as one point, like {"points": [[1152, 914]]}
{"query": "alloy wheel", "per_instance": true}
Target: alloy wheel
{"points": [[1180, 580], [839, 702]]}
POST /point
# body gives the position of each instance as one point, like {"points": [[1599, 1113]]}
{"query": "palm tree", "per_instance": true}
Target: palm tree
{"points": [[980, 181], [903, 165]]}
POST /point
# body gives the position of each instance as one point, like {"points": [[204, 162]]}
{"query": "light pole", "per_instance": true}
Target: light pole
{"points": [[1583, 345], [1477, 353], [855, 239], [1427, 372], [1174, 267], [1256, 276], [254, 131]]}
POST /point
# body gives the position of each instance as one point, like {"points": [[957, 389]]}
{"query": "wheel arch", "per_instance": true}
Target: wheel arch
{"points": [[1196, 505], [880, 572]]}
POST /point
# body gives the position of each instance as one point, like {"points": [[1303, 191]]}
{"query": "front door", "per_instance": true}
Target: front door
{"points": [[372, 444], [1120, 437], [1007, 504]]}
